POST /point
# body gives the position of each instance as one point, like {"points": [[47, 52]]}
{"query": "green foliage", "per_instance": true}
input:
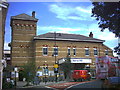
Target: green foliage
{"points": [[6, 74], [66, 67], [29, 70], [9, 68], [7, 85], [108, 14]]}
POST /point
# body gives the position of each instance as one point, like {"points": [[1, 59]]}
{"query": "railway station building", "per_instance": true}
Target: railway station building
{"points": [[51, 48]]}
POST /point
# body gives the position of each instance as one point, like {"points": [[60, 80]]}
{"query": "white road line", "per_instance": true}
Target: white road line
{"points": [[51, 88]]}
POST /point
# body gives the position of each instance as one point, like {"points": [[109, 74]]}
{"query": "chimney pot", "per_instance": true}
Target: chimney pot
{"points": [[91, 35], [33, 14]]}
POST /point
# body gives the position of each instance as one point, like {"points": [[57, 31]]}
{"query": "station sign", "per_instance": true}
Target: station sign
{"points": [[81, 60]]}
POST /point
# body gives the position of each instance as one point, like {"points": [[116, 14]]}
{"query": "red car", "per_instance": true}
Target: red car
{"points": [[81, 75]]}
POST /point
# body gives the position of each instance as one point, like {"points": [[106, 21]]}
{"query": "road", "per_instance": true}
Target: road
{"points": [[97, 84]]}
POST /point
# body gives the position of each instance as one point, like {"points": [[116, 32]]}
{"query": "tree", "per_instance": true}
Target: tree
{"points": [[108, 15], [66, 67], [117, 49], [7, 74], [29, 71]]}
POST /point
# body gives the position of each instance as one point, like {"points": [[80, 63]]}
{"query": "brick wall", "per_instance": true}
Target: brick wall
{"points": [[62, 51], [22, 41]]}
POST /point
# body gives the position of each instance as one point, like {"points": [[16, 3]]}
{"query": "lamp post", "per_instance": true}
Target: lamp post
{"points": [[15, 69], [55, 47], [56, 64]]}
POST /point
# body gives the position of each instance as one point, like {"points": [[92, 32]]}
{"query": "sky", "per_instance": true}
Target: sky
{"points": [[62, 17]]}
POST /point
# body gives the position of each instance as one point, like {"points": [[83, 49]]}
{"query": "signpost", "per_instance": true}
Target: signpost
{"points": [[56, 71]]}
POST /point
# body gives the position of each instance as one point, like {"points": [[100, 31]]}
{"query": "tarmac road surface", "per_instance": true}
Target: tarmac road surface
{"points": [[96, 84]]}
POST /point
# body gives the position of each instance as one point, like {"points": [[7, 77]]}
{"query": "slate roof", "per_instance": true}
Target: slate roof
{"points": [[66, 37], [24, 17]]}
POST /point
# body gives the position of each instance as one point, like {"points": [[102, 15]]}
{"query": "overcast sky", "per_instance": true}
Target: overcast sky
{"points": [[65, 17]]}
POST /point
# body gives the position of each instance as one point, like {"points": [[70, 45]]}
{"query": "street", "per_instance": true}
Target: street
{"points": [[65, 85], [98, 84]]}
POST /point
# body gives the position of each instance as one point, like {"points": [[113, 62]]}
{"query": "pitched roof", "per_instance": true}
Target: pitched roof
{"points": [[24, 17], [66, 37]]}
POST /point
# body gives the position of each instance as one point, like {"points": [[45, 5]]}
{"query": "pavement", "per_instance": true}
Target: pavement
{"points": [[22, 84]]}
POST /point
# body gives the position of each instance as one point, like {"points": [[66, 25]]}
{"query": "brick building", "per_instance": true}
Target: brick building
{"points": [[50, 47], [3, 13], [23, 32]]}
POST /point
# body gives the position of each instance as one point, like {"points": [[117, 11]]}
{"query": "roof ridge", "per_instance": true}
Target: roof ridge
{"points": [[24, 16], [67, 36], [77, 35]]}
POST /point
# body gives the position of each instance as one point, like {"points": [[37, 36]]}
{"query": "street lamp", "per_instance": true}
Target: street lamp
{"points": [[15, 69], [56, 64]]}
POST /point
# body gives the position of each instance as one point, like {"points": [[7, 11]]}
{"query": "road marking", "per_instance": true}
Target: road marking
{"points": [[51, 88]]}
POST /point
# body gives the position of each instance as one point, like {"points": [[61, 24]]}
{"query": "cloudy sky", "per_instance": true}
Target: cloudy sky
{"points": [[65, 17]]}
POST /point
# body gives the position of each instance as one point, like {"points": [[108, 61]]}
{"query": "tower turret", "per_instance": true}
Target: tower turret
{"points": [[23, 30]]}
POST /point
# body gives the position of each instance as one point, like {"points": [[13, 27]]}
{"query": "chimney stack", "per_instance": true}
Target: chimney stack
{"points": [[91, 35], [33, 14]]}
